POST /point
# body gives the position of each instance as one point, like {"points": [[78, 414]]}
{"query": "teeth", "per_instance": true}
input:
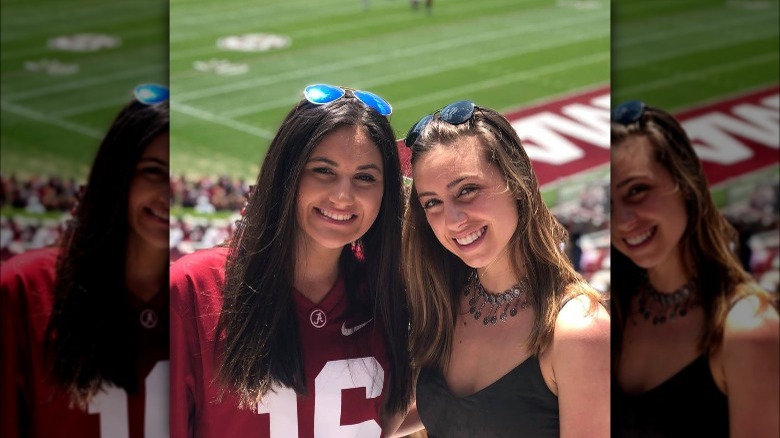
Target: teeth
{"points": [[336, 216], [160, 214], [471, 237], [636, 240]]}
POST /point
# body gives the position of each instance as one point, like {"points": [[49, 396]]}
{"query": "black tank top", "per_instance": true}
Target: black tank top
{"points": [[519, 404], [688, 404]]}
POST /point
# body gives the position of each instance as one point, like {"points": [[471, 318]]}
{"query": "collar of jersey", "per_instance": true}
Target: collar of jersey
{"points": [[329, 304]]}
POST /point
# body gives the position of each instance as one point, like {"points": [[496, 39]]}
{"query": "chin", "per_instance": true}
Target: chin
{"points": [[156, 241]]}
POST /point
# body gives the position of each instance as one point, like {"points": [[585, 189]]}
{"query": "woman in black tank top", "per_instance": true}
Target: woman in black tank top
{"points": [[695, 341], [509, 339]]}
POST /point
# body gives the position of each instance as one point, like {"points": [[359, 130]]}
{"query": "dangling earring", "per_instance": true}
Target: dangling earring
{"points": [[357, 249]]}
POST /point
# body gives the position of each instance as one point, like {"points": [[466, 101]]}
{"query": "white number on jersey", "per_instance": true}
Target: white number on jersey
{"points": [[335, 376], [111, 404]]}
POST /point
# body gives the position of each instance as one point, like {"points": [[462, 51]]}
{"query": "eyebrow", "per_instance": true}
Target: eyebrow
{"points": [[335, 164], [626, 181], [155, 160], [452, 184]]}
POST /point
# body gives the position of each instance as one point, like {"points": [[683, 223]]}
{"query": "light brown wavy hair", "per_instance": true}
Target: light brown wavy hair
{"points": [[708, 243], [435, 277]]}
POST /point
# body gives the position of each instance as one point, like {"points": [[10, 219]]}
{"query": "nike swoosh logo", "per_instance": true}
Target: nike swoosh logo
{"points": [[348, 331]]}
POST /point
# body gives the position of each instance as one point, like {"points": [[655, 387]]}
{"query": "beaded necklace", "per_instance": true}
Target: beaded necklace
{"points": [[663, 307], [510, 299]]}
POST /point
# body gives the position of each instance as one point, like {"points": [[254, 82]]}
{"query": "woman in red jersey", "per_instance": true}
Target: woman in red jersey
{"points": [[298, 327], [85, 324]]}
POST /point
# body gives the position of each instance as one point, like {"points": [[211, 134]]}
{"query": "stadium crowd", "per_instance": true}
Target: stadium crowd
{"points": [[212, 205]]}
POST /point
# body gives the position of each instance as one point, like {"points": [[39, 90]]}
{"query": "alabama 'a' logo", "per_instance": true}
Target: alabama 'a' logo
{"points": [[317, 318]]}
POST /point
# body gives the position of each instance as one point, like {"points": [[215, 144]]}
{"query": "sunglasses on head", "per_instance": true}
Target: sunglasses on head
{"points": [[628, 112], [454, 114], [320, 94], [151, 94]]}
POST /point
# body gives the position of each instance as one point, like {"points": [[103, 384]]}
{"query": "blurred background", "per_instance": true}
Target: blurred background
{"points": [[68, 67], [238, 67], [715, 65]]}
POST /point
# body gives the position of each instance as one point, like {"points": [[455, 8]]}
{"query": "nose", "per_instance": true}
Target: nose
{"points": [[623, 217], [454, 217], [342, 193]]}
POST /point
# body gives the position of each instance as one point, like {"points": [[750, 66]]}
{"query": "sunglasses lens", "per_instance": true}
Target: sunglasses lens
{"points": [[321, 94], [151, 94], [458, 112], [374, 101], [414, 133], [628, 112]]}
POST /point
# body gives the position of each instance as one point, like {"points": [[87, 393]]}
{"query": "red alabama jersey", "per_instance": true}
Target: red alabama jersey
{"points": [[345, 365], [33, 405]]}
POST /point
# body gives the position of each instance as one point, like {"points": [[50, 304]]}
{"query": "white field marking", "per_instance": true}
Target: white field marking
{"points": [[353, 63], [699, 74], [62, 86], [64, 124], [684, 28], [429, 69], [655, 4], [723, 97], [502, 80], [208, 49], [684, 49], [225, 121], [719, 136], [206, 17], [60, 27], [374, 21], [43, 51], [89, 106], [338, 65]]}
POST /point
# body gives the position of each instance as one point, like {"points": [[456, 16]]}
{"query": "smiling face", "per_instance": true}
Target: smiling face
{"points": [[648, 211], [340, 190], [148, 202], [467, 203]]}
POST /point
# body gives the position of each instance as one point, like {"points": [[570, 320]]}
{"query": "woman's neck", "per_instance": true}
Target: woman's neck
{"points": [[668, 275], [499, 275], [146, 269], [316, 269]]}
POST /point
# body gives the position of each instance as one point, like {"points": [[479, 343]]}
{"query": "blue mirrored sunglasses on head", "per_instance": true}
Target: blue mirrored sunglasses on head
{"points": [[151, 94], [320, 94], [628, 112], [454, 114]]}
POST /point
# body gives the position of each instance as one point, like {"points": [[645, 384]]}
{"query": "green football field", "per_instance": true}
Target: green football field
{"points": [[67, 68], [227, 104], [680, 53]]}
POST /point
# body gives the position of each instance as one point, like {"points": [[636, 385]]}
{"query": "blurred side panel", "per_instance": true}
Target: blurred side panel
{"points": [[67, 69]]}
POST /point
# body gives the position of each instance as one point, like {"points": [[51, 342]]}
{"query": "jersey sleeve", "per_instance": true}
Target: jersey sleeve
{"points": [[195, 285], [11, 328], [183, 345], [22, 320]]}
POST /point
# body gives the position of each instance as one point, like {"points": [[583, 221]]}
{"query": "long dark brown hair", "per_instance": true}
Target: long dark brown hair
{"points": [[89, 331], [707, 245], [257, 325], [435, 277]]}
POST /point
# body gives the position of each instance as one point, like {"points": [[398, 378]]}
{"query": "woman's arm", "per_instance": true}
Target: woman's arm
{"points": [[580, 361], [403, 425], [751, 366]]}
